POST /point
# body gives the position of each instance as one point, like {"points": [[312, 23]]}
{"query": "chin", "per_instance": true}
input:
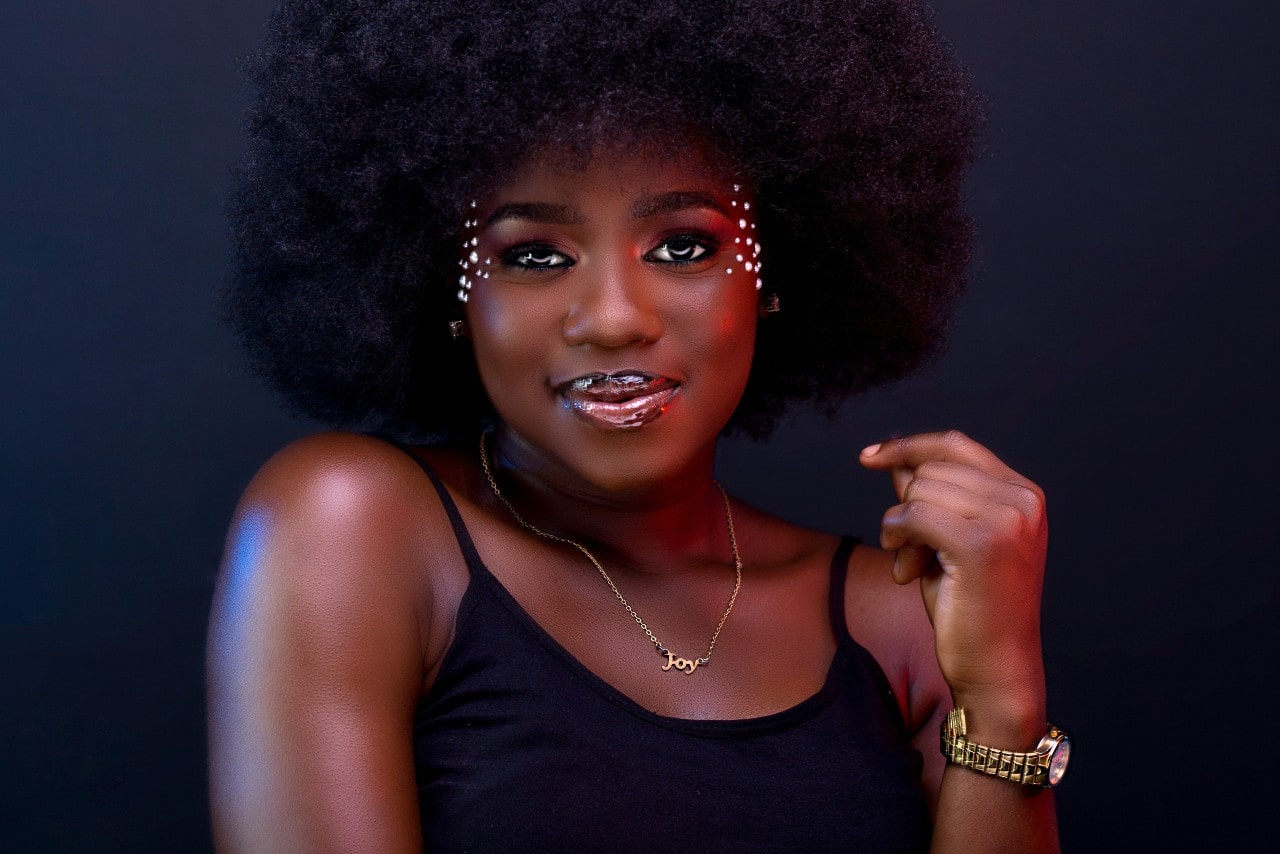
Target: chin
{"points": [[646, 458]]}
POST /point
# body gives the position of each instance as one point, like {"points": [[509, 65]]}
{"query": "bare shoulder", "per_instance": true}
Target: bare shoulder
{"points": [[332, 477], [887, 619], [327, 617], [890, 621], [335, 523]]}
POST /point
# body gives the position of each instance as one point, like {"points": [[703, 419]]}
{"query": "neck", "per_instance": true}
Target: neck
{"points": [[666, 527]]}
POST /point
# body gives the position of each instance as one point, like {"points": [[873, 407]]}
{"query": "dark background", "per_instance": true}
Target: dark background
{"points": [[1118, 346]]}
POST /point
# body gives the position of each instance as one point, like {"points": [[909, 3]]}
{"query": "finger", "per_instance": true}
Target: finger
{"points": [[901, 477], [1019, 493], [921, 524], [972, 479], [996, 501], [1016, 491], [947, 495], [912, 562], [951, 446]]}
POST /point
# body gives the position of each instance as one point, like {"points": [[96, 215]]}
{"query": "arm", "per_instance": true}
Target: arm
{"points": [[974, 533], [315, 658]]}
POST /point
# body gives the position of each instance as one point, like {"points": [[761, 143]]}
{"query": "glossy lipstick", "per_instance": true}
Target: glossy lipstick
{"points": [[623, 400]]}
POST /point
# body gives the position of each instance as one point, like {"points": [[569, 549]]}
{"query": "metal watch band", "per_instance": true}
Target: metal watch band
{"points": [[1027, 768]]}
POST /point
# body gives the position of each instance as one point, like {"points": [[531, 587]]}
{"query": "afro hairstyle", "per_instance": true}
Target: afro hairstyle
{"points": [[376, 121]]}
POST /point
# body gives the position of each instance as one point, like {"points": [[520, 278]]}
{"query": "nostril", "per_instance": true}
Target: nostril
{"points": [[610, 315]]}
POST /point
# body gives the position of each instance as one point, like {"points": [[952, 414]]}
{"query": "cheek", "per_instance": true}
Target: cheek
{"points": [[737, 326], [510, 337], [739, 333], [733, 345], [721, 334], [731, 323], [494, 326]]}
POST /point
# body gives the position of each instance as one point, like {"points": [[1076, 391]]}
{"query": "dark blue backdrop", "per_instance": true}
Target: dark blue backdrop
{"points": [[1118, 346]]}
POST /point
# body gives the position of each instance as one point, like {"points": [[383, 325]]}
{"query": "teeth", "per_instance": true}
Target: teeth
{"points": [[617, 381]]}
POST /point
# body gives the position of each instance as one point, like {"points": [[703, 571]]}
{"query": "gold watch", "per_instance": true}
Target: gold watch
{"points": [[1043, 766]]}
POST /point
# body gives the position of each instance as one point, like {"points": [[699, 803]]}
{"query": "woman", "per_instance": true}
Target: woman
{"points": [[534, 236]]}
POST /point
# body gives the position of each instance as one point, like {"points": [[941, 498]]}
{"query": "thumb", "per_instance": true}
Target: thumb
{"points": [[911, 562]]}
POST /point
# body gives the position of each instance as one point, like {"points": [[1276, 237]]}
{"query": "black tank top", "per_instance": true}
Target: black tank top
{"points": [[518, 747]]}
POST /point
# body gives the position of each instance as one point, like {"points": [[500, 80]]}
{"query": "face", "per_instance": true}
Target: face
{"points": [[612, 312]]}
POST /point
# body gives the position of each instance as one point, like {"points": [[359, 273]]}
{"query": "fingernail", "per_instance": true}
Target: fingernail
{"points": [[870, 450]]}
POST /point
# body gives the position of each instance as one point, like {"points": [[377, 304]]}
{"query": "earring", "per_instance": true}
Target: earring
{"points": [[770, 306], [457, 328]]}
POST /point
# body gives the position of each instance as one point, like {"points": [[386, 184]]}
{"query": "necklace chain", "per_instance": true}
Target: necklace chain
{"points": [[684, 665]]}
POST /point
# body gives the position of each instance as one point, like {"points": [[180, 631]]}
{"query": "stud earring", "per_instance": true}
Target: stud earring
{"points": [[457, 328]]}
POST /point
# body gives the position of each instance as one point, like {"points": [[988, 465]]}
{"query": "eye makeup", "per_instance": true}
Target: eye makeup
{"points": [[534, 256], [746, 242], [472, 268], [679, 249]]}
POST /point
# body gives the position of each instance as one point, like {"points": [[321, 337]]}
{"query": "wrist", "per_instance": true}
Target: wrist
{"points": [[1043, 765], [1012, 719]]}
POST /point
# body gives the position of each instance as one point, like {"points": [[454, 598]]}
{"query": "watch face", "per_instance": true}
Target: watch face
{"points": [[1058, 762]]}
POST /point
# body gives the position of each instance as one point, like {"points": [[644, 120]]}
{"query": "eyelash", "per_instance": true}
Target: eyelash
{"points": [[518, 257], [708, 246]]}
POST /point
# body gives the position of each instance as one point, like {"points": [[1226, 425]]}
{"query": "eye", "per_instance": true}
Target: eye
{"points": [[681, 249], [536, 256]]}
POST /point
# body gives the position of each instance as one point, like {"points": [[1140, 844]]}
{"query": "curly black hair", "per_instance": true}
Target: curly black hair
{"points": [[376, 121]]}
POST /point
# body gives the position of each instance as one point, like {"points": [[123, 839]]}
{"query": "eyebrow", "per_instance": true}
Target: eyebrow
{"points": [[536, 211], [676, 200], [554, 214]]}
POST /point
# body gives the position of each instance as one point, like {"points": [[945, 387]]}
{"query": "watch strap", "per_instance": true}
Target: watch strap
{"points": [[1030, 768]]}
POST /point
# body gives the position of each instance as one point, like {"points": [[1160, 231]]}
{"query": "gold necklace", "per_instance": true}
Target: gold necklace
{"points": [[685, 665]]}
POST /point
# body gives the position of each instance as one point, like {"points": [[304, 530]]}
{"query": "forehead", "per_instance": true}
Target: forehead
{"points": [[625, 174]]}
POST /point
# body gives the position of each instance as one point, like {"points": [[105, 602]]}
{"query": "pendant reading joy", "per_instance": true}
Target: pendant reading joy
{"points": [[688, 665]]}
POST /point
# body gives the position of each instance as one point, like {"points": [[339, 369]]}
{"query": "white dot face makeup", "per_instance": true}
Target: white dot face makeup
{"points": [[472, 258], [611, 312]]}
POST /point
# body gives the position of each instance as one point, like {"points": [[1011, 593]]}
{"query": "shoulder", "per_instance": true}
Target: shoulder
{"points": [[321, 634], [891, 622], [335, 530], [332, 476], [360, 491]]}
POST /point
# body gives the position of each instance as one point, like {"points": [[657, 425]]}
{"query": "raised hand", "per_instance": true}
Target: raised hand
{"points": [[974, 532]]}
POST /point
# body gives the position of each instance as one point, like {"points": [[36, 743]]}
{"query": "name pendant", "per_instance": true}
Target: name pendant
{"points": [[687, 665]]}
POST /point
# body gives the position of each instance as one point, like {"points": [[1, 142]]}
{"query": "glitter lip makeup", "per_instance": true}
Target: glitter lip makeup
{"points": [[623, 400]]}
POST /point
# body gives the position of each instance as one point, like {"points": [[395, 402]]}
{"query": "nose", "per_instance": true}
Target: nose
{"points": [[613, 307]]}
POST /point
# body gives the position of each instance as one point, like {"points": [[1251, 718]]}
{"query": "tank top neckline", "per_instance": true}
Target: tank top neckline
{"points": [[714, 727], [846, 646]]}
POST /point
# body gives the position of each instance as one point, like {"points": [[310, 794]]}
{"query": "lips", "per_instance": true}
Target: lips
{"points": [[623, 400]]}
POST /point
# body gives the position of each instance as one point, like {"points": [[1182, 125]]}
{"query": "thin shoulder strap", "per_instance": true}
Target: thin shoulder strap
{"points": [[840, 626], [839, 573], [460, 532]]}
